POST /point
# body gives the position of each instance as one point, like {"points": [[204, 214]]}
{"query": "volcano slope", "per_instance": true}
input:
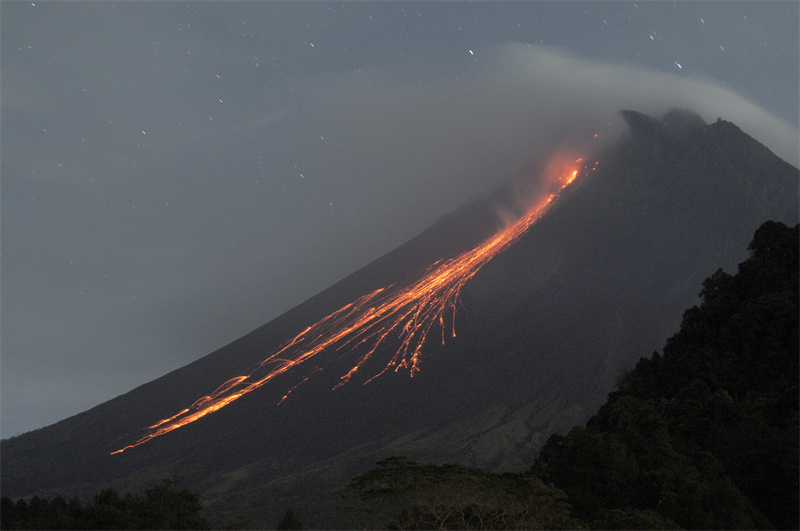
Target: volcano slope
{"points": [[543, 330]]}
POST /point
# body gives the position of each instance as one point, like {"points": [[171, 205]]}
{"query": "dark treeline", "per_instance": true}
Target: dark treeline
{"points": [[703, 436], [403, 494], [161, 507]]}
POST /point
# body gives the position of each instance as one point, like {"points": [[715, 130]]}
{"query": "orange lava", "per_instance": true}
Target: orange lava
{"points": [[408, 312]]}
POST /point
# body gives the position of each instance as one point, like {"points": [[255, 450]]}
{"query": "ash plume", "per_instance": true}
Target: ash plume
{"points": [[425, 141]]}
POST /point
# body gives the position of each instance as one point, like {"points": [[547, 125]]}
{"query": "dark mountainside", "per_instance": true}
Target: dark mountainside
{"points": [[543, 332], [701, 436], [705, 434]]}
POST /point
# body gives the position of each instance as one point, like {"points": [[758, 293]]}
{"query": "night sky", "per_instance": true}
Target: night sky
{"points": [[176, 174]]}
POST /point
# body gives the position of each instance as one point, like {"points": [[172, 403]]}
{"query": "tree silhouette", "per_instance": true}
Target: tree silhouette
{"points": [[403, 494], [289, 521], [162, 507], [706, 434]]}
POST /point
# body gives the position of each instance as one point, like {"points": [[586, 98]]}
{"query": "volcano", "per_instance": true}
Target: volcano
{"points": [[528, 345]]}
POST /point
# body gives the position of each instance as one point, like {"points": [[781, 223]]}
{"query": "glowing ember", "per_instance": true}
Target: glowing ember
{"points": [[407, 313]]}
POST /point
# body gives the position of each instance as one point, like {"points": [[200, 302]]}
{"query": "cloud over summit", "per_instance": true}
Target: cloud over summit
{"points": [[433, 136]]}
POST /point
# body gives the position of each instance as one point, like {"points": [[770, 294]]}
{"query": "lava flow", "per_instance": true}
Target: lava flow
{"points": [[407, 312]]}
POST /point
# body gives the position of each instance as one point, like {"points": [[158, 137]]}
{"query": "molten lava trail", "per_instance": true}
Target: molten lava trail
{"points": [[407, 312]]}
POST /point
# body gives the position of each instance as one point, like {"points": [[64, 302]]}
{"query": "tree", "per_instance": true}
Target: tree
{"points": [[706, 434], [166, 507], [162, 507], [289, 521], [403, 494]]}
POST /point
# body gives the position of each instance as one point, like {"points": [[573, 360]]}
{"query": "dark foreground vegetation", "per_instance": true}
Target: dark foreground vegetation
{"points": [[161, 507], [702, 436], [705, 435]]}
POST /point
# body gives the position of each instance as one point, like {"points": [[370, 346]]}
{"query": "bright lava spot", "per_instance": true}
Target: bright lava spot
{"points": [[404, 313]]}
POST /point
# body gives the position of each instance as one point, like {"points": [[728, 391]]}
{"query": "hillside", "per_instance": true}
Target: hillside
{"points": [[543, 331], [704, 435]]}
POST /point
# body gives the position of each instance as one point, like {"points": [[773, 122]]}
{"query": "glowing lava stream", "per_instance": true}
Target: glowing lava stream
{"points": [[405, 311]]}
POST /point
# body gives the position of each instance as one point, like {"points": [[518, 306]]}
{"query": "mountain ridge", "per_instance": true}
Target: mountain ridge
{"points": [[545, 328]]}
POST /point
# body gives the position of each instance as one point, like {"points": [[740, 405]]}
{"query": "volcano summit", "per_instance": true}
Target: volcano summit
{"points": [[509, 335]]}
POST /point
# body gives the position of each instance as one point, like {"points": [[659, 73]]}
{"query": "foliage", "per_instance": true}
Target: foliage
{"points": [[162, 507], [289, 521], [705, 435], [402, 494]]}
